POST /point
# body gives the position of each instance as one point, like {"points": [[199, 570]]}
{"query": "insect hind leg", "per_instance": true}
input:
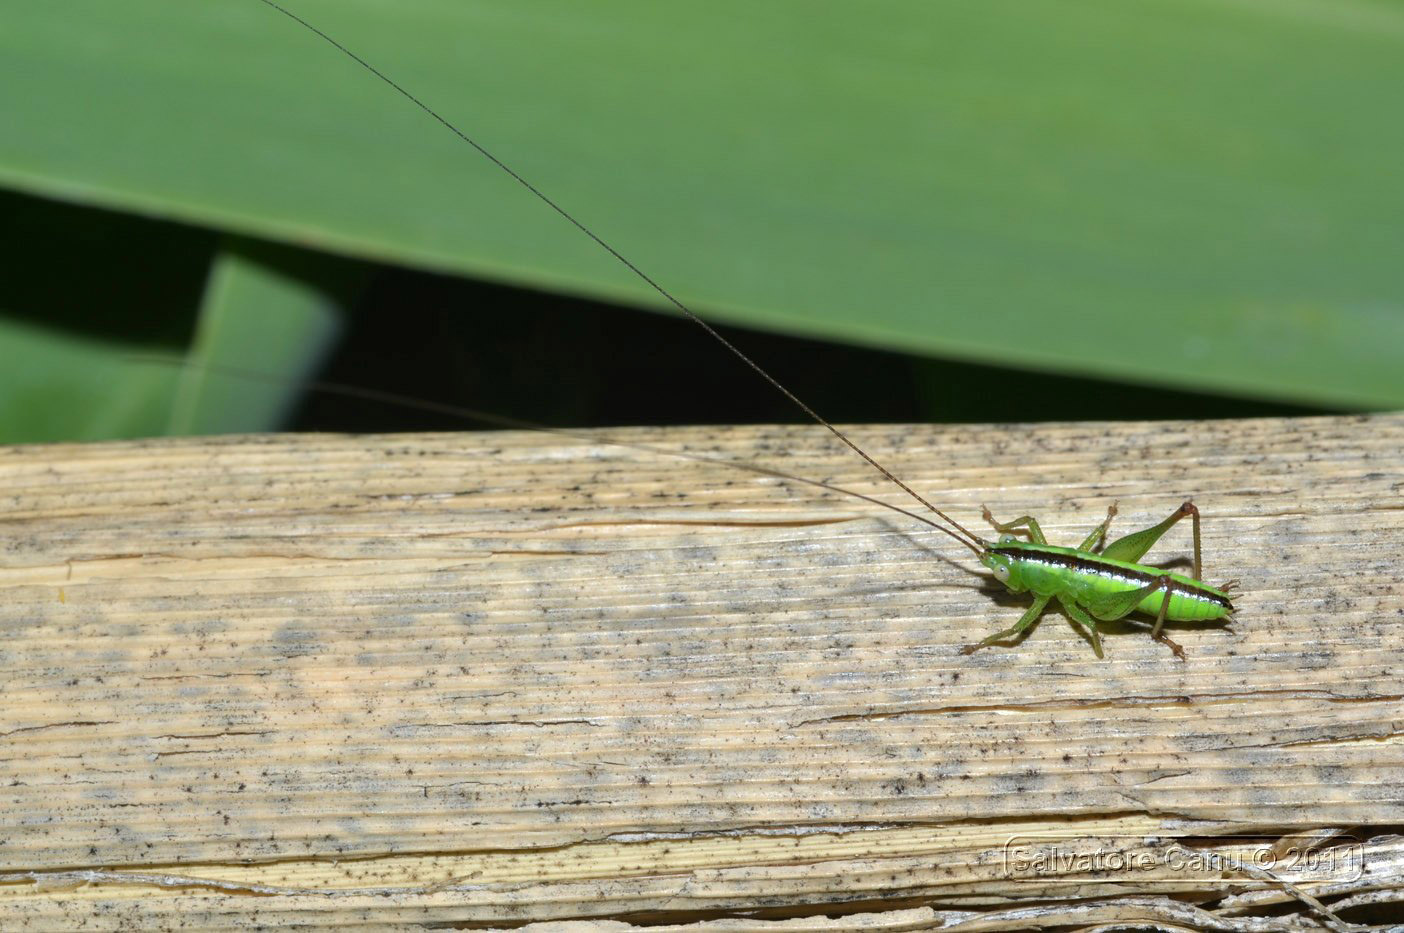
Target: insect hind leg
{"points": [[1115, 606], [1135, 545]]}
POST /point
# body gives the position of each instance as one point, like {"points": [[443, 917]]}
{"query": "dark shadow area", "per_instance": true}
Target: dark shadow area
{"points": [[101, 274], [136, 284], [574, 363]]}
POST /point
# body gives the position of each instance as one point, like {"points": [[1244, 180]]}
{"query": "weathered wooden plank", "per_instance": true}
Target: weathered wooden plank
{"points": [[505, 678]]}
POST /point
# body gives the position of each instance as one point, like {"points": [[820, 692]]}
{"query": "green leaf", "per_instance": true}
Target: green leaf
{"points": [[59, 386], [268, 311], [1194, 194]]}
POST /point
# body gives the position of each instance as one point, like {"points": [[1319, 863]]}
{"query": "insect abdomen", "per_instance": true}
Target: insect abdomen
{"points": [[1051, 570], [1186, 605]]}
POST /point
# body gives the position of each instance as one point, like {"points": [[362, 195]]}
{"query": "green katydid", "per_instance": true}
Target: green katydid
{"points": [[1091, 586], [1101, 587]]}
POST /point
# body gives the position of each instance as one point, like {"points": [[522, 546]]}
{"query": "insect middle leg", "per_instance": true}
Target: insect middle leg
{"points": [[1099, 534], [1027, 619], [1080, 616]]}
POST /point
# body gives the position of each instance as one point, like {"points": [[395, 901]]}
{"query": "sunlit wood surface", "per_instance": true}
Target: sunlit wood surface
{"points": [[517, 678]]}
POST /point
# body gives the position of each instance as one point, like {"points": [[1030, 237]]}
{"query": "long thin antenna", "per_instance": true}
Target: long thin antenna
{"points": [[503, 421], [974, 541]]}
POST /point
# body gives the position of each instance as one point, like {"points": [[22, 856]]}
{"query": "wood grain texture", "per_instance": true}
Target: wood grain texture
{"points": [[513, 678]]}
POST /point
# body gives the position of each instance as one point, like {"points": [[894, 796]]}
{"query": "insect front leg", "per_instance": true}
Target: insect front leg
{"points": [[1135, 545], [1027, 522], [1099, 534], [1027, 619], [1115, 606]]}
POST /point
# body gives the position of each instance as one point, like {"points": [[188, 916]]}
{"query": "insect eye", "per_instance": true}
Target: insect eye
{"points": [[1007, 538], [1001, 572]]}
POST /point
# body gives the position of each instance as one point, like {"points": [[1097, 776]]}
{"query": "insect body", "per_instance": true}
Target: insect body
{"points": [[1101, 587], [1092, 587]]}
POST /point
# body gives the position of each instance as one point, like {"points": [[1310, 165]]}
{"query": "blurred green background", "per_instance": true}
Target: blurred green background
{"points": [[912, 210]]}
